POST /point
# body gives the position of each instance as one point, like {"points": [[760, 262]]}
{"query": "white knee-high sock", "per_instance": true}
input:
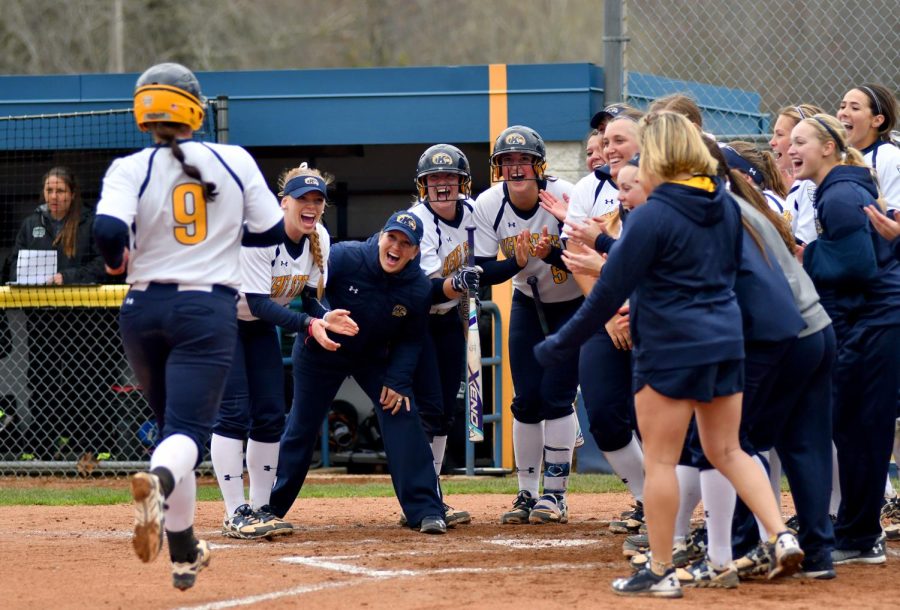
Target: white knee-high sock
{"points": [[688, 498], [718, 503], [775, 474], [177, 453], [262, 463], [628, 464], [438, 447], [228, 462], [528, 444], [181, 503], [559, 443], [835, 503], [763, 533]]}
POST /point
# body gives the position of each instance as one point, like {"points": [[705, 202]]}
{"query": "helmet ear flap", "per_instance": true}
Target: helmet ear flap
{"points": [[168, 93]]}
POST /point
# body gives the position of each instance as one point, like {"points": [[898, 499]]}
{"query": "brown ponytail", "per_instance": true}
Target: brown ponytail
{"points": [[167, 134]]}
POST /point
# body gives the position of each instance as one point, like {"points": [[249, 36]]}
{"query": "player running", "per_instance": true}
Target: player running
{"points": [[176, 215]]}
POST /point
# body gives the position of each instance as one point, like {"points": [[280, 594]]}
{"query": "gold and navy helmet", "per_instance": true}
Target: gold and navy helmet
{"points": [[447, 159], [168, 93], [520, 139]]}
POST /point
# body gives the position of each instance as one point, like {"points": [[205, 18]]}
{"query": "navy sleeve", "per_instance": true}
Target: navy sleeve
{"points": [[631, 259], [895, 248], [266, 309], [111, 235], [604, 243], [555, 258], [271, 237], [311, 303], [844, 252], [437, 290], [496, 272]]}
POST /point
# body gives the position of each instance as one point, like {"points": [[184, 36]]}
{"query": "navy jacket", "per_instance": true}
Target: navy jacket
{"points": [[767, 303], [390, 309], [678, 254], [852, 266]]}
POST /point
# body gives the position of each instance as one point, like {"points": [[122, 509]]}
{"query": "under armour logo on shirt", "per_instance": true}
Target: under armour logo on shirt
{"points": [[353, 289], [284, 263], [510, 224]]}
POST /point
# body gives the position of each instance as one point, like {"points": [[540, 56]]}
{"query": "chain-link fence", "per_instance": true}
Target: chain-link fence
{"points": [[69, 402], [769, 53]]}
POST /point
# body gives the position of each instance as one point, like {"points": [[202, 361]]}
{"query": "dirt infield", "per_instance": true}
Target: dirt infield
{"points": [[351, 554]]}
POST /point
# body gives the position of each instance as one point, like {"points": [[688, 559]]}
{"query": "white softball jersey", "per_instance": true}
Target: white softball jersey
{"points": [[498, 224], [176, 235], [592, 196], [800, 201], [885, 160], [274, 271], [445, 245], [779, 205]]}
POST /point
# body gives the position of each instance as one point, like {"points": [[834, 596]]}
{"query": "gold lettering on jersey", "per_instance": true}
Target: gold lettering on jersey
{"points": [[189, 213], [508, 247], [288, 285], [456, 259]]}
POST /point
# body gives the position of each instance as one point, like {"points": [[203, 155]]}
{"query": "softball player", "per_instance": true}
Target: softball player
{"points": [[678, 255], [506, 215], [444, 183], [253, 404], [381, 283], [859, 282], [869, 114], [605, 359], [801, 193], [176, 214]]}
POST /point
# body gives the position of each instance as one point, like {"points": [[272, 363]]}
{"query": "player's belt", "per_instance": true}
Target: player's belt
{"points": [[144, 286]]}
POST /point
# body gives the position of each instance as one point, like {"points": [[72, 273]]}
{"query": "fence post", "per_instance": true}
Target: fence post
{"points": [[614, 40], [222, 119]]}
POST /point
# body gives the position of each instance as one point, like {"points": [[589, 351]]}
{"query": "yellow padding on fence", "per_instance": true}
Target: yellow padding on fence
{"points": [[16, 297]]}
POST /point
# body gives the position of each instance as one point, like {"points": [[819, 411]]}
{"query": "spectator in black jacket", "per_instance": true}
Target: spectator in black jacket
{"points": [[61, 223]]}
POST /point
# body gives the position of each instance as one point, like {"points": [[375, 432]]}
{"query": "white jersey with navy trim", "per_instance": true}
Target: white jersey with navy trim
{"points": [[800, 201], [177, 236], [885, 160], [592, 196], [778, 205], [445, 245], [273, 271], [498, 224]]}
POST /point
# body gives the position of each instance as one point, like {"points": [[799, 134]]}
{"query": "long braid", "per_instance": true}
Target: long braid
{"points": [[167, 134], [316, 248]]}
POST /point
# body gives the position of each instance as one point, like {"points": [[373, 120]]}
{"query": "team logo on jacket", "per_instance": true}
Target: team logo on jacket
{"points": [[441, 158], [516, 139], [811, 191], [38, 232], [399, 311]]}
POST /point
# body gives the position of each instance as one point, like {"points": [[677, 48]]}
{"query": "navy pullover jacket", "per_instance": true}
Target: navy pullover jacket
{"points": [[390, 309], [678, 254], [852, 266]]}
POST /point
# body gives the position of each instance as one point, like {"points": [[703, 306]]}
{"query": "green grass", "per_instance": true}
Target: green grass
{"points": [[88, 494]]}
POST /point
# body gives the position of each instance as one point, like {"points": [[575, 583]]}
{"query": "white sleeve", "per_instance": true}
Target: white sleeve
{"points": [[119, 196], [889, 175], [261, 208], [256, 270], [486, 241]]}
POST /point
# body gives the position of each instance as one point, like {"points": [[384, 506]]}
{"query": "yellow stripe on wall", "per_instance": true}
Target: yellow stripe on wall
{"points": [[498, 120]]}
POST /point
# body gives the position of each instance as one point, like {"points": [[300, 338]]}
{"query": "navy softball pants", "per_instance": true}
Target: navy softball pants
{"points": [[540, 393], [180, 346], [317, 378], [253, 403], [866, 380], [604, 373], [439, 373]]}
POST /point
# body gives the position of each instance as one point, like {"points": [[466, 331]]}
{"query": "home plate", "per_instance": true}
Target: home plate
{"points": [[544, 543]]}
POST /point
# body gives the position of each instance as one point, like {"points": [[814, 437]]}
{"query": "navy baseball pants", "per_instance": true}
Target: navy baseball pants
{"points": [[440, 372], [604, 373], [253, 402], [317, 378]]}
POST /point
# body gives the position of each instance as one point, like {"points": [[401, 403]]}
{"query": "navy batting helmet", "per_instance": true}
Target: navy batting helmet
{"points": [[443, 159], [521, 139]]}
